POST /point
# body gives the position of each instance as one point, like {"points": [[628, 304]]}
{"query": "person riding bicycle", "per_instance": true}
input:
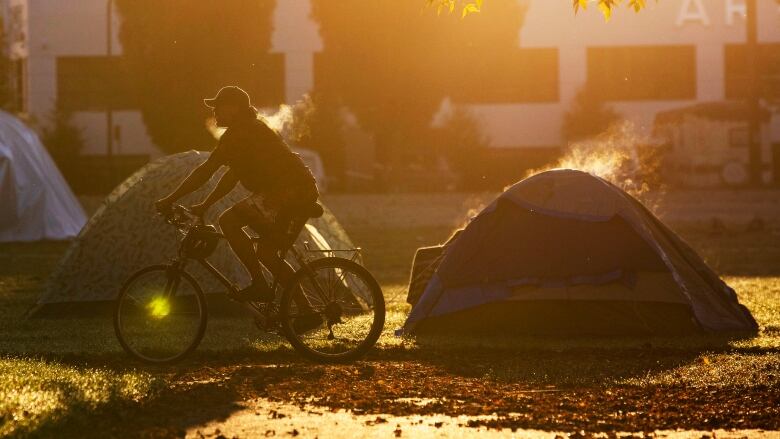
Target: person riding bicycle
{"points": [[281, 186]]}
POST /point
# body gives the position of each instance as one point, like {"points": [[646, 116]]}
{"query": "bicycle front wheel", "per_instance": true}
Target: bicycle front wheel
{"points": [[160, 314], [333, 310]]}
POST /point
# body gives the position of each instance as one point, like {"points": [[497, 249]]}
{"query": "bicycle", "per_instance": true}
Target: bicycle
{"points": [[160, 315]]}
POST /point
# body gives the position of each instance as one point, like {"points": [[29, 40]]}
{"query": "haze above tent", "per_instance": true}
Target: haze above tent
{"points": [[125, 234], [566, 252], [36, 201]]}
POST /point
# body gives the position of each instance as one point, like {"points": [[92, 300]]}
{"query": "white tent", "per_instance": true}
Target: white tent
{"points": [[35, 201]]}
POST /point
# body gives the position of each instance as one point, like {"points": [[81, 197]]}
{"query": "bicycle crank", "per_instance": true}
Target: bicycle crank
{"points": [[266, 318]]}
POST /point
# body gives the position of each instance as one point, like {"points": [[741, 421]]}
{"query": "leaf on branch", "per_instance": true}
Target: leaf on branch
{"points": [[606, 10], [469, 9], [637, 4], [450, 5], [580, 4], [606, 7]]}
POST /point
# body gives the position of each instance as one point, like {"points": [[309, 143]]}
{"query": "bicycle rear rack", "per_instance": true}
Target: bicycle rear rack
{"points": [[354, 253]]}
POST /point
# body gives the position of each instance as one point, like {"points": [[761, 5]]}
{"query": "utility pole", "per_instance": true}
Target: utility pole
{"points": [[754, 94], [110, 97]]}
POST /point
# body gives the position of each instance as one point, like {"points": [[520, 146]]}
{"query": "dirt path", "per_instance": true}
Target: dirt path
{"points": [[430, 401], [264, 418]]}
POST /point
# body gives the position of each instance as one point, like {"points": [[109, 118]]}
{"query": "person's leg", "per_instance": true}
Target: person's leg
{"points": [[232, 224], [283, 272], [268, 256]]}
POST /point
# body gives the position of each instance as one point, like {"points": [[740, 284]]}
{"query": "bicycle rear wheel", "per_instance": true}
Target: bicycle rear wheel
{"points": [[160, 314], [332, 311]]}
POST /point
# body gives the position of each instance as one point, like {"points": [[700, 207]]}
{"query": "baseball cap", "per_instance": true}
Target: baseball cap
{"points": [[230, 95]]}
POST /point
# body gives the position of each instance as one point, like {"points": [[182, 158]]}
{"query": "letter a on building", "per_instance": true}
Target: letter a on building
{"points": [[692, 11]]}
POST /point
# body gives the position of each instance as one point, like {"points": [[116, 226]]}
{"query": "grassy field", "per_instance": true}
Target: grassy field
{"points": [[68, 377]]}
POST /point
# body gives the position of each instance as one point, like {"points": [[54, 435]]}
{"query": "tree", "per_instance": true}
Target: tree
{"points": [[392, 66], [6, 87], [61, 137], [64, 141], [320, 127], [588, 117], [179, 51], [462, 142]]}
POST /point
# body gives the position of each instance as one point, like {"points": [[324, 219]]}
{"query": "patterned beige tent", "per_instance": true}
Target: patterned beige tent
{"points": [[125, 235]]}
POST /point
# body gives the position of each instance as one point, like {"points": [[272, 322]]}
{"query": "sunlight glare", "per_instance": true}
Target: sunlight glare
{"points": [[159, 307]]}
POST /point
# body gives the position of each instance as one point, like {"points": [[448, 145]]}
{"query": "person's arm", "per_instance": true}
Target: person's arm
{"points": [[226, 184], [197, 178]]}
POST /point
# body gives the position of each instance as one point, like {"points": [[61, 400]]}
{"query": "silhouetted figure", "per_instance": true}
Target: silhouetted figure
{"points": [[281, 186]]}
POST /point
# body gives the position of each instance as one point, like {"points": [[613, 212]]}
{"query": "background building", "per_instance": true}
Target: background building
{"points": [[673, 54], [676, 53]]}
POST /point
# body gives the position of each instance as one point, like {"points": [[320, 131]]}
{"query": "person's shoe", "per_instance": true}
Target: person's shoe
{"points": [[306, 323], [255, 292]]}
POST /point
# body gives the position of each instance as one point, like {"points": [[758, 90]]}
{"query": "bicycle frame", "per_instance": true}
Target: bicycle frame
{"points": [[181, 262]]}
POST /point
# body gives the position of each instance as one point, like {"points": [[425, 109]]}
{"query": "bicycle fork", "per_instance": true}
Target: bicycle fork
{"points": [[173, 278]]}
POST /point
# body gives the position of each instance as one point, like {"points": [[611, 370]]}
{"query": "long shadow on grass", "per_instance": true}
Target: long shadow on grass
{"points": [[532, 361], [167, 415], [209, 386]]}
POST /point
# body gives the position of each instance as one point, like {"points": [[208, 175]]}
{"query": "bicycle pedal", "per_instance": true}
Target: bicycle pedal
{"points": [[268, 320]]}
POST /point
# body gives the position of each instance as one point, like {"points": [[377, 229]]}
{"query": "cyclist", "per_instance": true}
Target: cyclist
{"points": [[281, 185]]}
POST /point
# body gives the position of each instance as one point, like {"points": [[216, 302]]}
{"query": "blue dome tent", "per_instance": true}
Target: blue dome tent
{"points": [[566, 252]]}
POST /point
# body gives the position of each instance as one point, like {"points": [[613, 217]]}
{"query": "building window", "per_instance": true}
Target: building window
{"points": [[643, 73], [737, 70], [93, 83], [519, 75], [523, 75]]}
